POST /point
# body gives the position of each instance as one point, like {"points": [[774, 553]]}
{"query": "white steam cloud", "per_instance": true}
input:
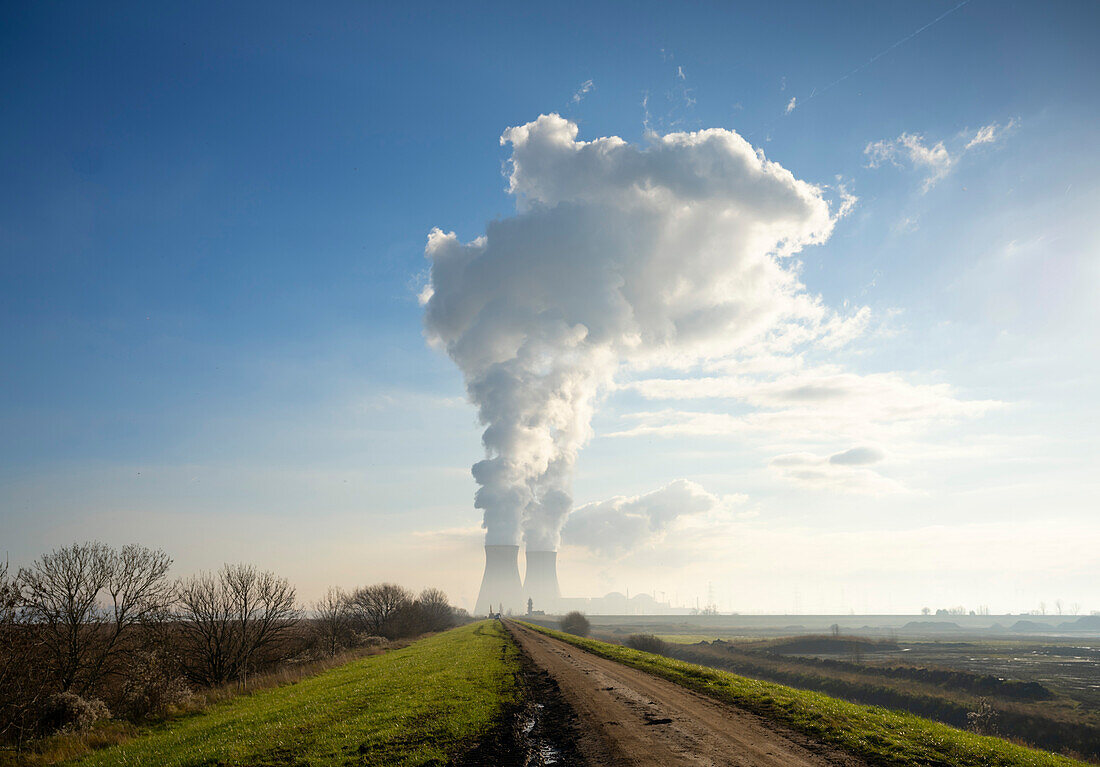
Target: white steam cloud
{"points": [[619, 525], [618, 255]]}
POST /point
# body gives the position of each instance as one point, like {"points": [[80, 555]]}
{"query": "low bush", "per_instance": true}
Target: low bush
{"points": [[150, 689], [647, 643], [575, 623], [68, 712]]}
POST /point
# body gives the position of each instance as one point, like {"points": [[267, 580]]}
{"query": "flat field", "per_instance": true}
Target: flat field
{"points": [[423, 704], [879, 735], [1045, 689]]}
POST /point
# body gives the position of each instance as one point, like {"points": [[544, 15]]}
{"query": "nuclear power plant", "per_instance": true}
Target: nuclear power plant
{"points": [[501, 590], [500, 586], [540, 583]]}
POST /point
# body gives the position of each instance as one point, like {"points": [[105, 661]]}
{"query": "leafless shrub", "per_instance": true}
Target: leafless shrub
{"points": [[575, 623], [369, 640], [68, 712], [233, 622], [647, 643], [984, 721], [22, 687], [430, 611], [151, 688], [333, 620], [375, 609]]}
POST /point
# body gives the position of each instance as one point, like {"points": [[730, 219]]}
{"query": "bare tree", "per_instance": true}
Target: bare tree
{"points": [[85, 598], [21, 686], [436, 613], [333, 618], [233, 621], [377, 607]]}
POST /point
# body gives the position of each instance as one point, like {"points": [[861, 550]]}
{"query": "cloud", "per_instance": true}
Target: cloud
{"points": [[836, 475], [857, 456], [990, 133], [935, 160], [805, 404], [791, 105], [581, 92], [622, 524], [618, 257]]}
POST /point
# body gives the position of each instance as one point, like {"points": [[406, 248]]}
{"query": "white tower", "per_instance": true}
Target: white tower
{"points": [[500, 584], [541, 584]]}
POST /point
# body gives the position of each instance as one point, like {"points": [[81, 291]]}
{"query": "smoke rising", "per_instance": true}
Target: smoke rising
{"points": [[618, 256]]}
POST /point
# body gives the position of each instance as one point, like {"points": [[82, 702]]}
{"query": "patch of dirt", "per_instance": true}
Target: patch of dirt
{"points": [[627, 717], [540, 732]]}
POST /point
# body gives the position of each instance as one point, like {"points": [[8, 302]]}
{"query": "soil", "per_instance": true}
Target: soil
{"points": [[542, 731], [620, 716]]}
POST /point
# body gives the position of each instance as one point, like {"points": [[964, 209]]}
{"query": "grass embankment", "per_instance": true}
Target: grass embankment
{"points": [[1025, 711], [878, 735], [425, 703]]}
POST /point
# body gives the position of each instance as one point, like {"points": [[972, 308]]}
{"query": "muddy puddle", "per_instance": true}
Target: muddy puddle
{"points": [[548, 728]]}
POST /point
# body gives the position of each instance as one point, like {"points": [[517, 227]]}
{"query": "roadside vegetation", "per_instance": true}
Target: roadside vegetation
{"points": [[1027, 711], [879, 735], [575, 623], [423, 704], [98, 643]]}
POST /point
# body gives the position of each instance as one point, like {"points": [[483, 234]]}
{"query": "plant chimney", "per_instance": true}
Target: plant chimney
{"points": [[500, 584], [541, 585]]}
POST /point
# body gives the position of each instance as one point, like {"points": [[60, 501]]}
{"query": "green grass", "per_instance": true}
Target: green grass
{"points": [[878, 735], [422, 704]]}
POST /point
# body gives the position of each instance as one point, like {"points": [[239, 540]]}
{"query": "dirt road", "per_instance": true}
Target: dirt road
{"points": [[628, 717]]}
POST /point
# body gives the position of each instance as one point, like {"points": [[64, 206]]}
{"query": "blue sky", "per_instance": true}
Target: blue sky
{"points": [[212, 231]]}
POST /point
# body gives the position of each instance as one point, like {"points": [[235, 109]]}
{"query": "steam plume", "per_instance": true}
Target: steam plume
{"points": [[618, 255]]}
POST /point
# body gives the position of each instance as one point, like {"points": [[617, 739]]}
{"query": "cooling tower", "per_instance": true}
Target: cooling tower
{"points": [[500, 584], [541, 584]]}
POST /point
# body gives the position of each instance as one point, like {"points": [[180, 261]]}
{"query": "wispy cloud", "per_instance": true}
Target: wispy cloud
{"points": [[830, 422], [791, 105], [819, 472], [990, 133], [935, 160], [582, 91], [811, 404]]}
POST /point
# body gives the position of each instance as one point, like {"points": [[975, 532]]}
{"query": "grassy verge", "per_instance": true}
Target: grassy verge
{"points": [[1025, 712], [423, 704], [878, 735]]}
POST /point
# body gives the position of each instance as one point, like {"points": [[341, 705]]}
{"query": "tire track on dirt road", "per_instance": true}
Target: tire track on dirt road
{"points": [[629, 717]]}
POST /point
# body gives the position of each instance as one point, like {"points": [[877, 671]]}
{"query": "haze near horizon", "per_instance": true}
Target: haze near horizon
{"points": [[786, 310]]}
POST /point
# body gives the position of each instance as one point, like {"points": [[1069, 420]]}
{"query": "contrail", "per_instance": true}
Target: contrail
{"points": [[875, 58], [818, 91]]}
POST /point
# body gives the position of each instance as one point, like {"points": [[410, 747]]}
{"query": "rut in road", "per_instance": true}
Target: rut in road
{"points": [[629, 717]]}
